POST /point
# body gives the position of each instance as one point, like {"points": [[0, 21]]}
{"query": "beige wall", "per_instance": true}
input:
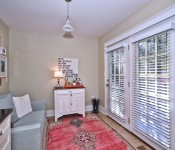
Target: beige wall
{"points": [[4, 34], [148, 10], [34, 56]]}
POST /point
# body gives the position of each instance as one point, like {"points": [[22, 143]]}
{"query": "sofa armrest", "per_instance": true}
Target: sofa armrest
{"points": [[38, 105], [25, 128], [27, 137]]}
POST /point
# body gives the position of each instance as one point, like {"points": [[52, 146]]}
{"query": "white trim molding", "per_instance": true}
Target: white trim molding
{"points": [[162, 16], [103, 110], [153, 31], [115, 46], [51, 113], [88, 108]]}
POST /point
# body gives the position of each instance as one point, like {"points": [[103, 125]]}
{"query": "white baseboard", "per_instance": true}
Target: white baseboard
{"points": [[51, 113], [88, 108], [102, 110]]}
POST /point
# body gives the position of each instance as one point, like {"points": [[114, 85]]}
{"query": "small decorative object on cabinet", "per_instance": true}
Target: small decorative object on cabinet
{"points": [[69, 101], [5, 129]]}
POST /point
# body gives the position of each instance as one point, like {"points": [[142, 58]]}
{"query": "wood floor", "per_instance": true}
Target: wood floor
{"points": [[134, 141]]}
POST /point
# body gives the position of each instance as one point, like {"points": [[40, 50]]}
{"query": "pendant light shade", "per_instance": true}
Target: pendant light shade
{"points": [[68, 25]]}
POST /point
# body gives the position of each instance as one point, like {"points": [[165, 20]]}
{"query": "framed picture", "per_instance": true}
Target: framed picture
{"points": [[69, 66], [3, 66]]}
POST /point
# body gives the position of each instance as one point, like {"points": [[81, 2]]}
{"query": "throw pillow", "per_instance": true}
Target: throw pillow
{"points": [[22, 105]]}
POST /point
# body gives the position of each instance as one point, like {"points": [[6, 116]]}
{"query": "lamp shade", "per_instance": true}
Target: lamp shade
{"points": [[58, 74]]}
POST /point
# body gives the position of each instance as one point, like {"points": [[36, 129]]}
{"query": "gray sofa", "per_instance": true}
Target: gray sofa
{"points": [[28, 132]]}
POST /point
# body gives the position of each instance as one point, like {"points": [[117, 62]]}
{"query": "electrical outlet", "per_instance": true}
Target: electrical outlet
{"points": [[92, 97]]}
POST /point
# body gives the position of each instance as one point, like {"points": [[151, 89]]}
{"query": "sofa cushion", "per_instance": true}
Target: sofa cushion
{"points": [[28, 137], [6, 102], [31, 118]]}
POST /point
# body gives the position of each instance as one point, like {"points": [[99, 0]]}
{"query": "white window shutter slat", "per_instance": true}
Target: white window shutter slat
{"points": [[151, 110], [116, 95]]}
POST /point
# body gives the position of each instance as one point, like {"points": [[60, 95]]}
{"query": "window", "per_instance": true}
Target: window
{"points": [[149, 80], [116, 95], [152, 88]]}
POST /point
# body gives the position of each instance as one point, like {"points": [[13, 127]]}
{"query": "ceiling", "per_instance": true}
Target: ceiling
{"points": [[89, 17]]}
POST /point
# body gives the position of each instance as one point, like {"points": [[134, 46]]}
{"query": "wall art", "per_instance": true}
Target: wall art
{"points": [[69, 66]]}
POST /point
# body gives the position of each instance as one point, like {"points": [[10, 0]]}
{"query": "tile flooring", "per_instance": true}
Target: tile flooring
{"points": [[134, 141]]}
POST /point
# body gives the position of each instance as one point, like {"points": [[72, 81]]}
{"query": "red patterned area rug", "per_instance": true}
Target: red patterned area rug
{"points": [[83, 133]]}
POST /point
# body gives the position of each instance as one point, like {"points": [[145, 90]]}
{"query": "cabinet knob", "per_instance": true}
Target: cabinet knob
{"points": [[70, 103]]}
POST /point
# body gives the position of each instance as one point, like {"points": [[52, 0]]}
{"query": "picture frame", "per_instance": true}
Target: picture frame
{"points": [[69, 66], [3, 66]]}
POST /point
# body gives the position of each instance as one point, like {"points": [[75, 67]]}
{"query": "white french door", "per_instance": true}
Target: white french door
{"points": [[149, 64], [117, 82], [153, 87], [151, 101]]}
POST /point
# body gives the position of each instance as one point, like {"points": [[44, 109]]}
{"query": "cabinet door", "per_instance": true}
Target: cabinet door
{"points": [[76, 101], [63, 103]]}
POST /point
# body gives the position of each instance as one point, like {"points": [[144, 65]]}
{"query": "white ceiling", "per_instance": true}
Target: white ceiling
{"points": [[89, 17]]}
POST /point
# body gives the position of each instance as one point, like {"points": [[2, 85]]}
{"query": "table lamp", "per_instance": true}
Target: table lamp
{"points": [[58, 74]]}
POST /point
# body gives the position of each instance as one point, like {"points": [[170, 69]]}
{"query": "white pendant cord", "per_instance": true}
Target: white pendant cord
{"points": [[68, 26]]}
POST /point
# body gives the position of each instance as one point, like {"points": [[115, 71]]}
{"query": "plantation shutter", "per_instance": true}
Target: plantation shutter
{"points": [[151, 109], [116, 65]]}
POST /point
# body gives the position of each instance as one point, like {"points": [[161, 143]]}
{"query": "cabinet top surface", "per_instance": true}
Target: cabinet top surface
{"points": [[71, 88], [4, 113]]}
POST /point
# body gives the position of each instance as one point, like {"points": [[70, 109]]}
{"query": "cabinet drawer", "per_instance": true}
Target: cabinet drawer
{"points": [[77, 94], [4, 127], [57, 92]]}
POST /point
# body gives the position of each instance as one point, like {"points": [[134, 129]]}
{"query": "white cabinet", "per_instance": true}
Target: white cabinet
{"points": [[5, 134], [69, 101]]}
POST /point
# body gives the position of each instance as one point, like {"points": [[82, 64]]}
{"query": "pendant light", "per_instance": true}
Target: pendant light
{"points": [[68, 28]]}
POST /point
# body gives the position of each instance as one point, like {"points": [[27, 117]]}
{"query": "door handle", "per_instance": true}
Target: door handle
{"points": [[107, 85], [0, 133]]}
